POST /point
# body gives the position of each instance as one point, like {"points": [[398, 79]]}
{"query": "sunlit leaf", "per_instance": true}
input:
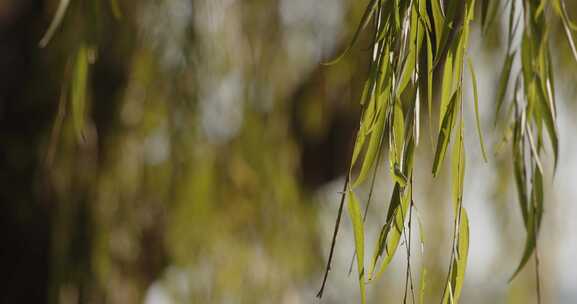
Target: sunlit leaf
{"points": [[462, 255], [372, 149], [438, 23], [476, 104], [456, 279], [391, 232], [398, 133], [78, 90], [445, 133], [356, 218], [447, 87]]}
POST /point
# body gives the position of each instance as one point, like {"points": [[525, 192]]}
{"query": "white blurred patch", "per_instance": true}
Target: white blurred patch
{"points": [[311, 28], [164, 25], [157, 146], [221, 108]]}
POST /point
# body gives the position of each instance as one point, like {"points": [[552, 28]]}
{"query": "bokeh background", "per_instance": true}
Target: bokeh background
{"points": [[204, 162]]}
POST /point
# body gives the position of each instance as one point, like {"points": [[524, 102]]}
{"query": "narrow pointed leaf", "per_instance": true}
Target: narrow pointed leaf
{"points": [[445, 134], [372, 149], [447, 87], [476, 101], [356, 218], [78, 91], [503, 82]]}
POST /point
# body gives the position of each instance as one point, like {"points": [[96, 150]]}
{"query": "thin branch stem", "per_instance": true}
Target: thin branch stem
{"points": [[335, 233], [409, 274], [537, 272]]}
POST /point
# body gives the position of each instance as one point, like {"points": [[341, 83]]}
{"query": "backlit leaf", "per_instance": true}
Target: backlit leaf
{"points": [[356, 218], [445, 133], [476, 105]]}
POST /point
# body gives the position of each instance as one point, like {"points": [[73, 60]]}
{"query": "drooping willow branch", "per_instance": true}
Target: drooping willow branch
{"points": [[414, 43]]}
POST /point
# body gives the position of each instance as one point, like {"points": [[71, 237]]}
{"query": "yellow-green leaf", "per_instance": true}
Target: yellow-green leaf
{"points": [[356, 218], [445, 133], [476, 104], [456, 279], [78, 90], [391, 232], [447, 86], [372, 150], [463, 252]]}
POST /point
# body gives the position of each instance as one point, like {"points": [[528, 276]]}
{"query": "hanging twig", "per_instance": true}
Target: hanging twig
{"points": [[336, 231]]}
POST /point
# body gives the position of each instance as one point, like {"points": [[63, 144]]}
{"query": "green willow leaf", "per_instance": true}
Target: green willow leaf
{"points": [[533, 148], [415, 42], [78, 90], [460, 54], [408, 69], [424, 16], [391, 232], [359, 143], [456, 279], [447, 86], [398, 133], [560, 8], [476, 105], [458, 168], [503, 82], [367, 88], [438, 24], [445, 133], [367, 117], [463, 253], [537, 197], [356, 218], [567, 27], [519, 168], [383, 234], [372, 149], [526, 59], [399, 176], [547, 110], [534, 213], [429, 77], [410, 38], [529, 246]]}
